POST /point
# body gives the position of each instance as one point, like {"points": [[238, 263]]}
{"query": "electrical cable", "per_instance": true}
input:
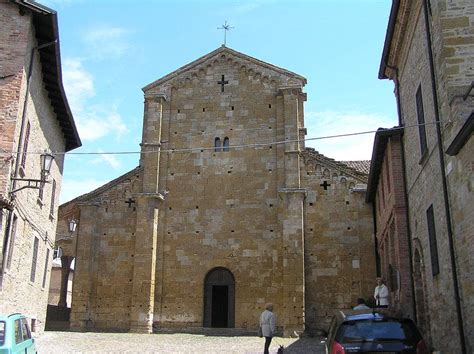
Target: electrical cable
{"points": [[252, 145]]}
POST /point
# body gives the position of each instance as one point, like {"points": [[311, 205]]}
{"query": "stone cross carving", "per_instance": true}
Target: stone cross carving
{"points": [[222, 83], [130, 201], [325, 184]]}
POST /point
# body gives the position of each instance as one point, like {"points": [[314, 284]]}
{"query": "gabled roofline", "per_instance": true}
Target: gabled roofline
{"points": [[378, 154], [103, 188], [338, 165], [45, 22], [214, 53], [388, 38]]}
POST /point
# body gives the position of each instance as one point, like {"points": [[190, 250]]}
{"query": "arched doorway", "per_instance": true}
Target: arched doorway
{"points": [[219, 298]]}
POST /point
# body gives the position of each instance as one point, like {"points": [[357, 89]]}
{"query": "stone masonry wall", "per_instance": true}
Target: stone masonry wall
{"points": [[453, 47], [424, 182], [222, 207], [339, 243], [36, 218], [102, 285]]}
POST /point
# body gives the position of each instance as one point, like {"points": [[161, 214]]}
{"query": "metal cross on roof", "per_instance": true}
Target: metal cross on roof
{"points": [[226, 28]]}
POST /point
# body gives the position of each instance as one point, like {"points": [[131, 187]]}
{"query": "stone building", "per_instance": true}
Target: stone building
{"points": [[386, 192], [34, 116], [226, 211], [429, 54]]}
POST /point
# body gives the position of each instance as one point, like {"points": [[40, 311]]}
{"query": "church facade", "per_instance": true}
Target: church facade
{"points": [[227, 210]]}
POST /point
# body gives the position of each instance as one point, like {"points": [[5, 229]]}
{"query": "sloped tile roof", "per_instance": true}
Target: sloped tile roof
{"points": [[362, 166]]}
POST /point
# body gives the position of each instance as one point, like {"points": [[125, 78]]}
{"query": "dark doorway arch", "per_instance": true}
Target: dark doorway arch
{"points": [[219, 298]]}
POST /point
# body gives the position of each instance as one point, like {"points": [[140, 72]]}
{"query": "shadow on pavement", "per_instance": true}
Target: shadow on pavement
{"points": [[306, 345]]}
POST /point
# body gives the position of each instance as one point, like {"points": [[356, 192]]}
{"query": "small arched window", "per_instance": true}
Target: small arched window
{"points": [[226, 144], [217, 145]]}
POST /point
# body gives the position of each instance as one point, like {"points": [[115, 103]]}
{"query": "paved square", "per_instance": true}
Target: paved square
{"points": [[73, 342]]}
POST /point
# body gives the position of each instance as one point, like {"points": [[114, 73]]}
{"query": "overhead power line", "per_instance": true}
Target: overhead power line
{"points": [[230, 147]]}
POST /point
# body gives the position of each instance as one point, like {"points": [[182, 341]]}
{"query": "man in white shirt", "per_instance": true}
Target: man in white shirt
{"points": [[381, 294], [361, 305], [267, 325]]}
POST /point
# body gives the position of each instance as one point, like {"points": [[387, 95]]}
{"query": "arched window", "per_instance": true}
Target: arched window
{"points": [[217, 145], [226, 144]]}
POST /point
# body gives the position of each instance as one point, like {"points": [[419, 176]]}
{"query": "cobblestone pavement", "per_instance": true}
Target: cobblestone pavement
{"points": [[73, 342]]}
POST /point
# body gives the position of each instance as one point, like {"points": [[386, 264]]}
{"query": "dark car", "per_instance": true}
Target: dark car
{"points": [[373, 332]]}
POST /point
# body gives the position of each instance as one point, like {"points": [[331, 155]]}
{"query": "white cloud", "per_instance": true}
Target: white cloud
{"points": [[78, 83], [109, 159], [93, 121], [358, 147], [71, 189], [106, 41], [99, 122]]}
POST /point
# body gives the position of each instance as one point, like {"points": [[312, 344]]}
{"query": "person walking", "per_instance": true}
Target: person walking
{"points": [[267, 326], [381, 294]]}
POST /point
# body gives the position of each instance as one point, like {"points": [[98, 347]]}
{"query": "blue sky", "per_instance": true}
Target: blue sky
{"points": [[111, 49]]}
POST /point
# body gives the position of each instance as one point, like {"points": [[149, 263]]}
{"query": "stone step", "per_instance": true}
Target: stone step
{"points": [[208, 331]]}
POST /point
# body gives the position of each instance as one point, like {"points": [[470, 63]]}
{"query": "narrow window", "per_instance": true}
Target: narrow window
{"points": [[25, 145], [53, 197], [18, 335], [421, 121], [25, 329], [12, 240], [226, 144], [217, 145], [33, 260], [45, 273], [432, 239]]}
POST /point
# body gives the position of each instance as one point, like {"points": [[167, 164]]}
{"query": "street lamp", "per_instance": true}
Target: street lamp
{"points": [[46, 161], [72, 225]]}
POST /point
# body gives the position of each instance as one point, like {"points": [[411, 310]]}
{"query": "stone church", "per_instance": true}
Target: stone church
{"points": [[226, 211]]}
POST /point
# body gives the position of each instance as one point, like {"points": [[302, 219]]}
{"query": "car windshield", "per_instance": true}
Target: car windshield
{"points": [[2, 333], [376, 330]]}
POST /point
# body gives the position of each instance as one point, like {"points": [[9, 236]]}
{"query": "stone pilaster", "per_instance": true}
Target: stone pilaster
{"points": [[291, 216], [143, 291], [85, 272], [65, 270]]}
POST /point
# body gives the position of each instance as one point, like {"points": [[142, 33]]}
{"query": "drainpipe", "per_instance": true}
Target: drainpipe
{"points": [[376, 244], [19, 152], [452, 252], [407, 209]]}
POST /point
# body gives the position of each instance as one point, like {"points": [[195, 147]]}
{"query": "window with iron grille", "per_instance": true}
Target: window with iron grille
{"points": [[432, 239], [421, 121], [34, 260]]}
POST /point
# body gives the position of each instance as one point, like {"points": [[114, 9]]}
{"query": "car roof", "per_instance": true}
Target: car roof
{"points": [[13, 315], [359, 315]]}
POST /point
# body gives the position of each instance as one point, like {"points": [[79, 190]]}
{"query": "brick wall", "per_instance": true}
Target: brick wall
{"points": [[392, 232]]}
